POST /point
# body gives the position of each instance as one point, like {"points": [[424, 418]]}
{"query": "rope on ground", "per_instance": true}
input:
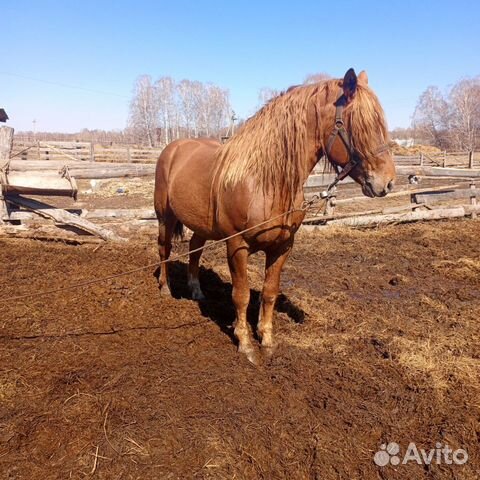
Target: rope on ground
{"points": [[305, 206]]}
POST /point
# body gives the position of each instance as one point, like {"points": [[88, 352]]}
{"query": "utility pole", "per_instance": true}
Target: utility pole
{"points": [[233, 119]]}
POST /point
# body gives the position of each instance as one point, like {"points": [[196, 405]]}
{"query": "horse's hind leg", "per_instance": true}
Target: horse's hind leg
{"points": [[165, 232], [273, 267], [193, 268], [237, 252]]}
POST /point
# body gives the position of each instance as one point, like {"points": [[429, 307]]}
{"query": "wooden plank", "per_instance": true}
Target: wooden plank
{"points": [[107, 172], [434, 197], [98, 213], [62, 152], [373, 220], [387, 210], [45, 233], [343, 201], [6, 142], [322, 180], [86, 170], [438, 171], [64, 217], [39, 183]]}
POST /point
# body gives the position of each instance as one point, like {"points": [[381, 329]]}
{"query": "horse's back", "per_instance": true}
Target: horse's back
{"points": [[180, 152]]}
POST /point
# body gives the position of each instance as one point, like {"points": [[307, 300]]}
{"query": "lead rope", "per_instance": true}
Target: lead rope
{"points": [[305, 206]]}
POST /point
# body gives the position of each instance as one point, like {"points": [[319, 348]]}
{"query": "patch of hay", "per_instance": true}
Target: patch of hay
{"points": [[442, 361]]}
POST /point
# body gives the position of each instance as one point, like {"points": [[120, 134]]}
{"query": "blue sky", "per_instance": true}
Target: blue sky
{"points": [[102, 46]]}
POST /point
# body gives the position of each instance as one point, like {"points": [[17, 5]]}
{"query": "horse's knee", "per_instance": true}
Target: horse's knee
{"points": [[269, 298], [240, 297]]}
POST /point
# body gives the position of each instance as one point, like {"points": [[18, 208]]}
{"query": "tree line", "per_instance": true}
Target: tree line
{"points": [[167, 110], [449, 120], [164, 110]]}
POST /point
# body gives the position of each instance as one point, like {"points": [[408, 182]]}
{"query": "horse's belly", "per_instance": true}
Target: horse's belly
{"points": [[189, 193]]}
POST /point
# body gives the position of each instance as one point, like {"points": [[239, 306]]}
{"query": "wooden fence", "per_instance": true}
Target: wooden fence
{"points": [[116, 153], [84, 151], [51, 168], [440, 159]]}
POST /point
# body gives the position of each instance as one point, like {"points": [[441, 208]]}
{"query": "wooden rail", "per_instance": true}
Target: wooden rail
{"points": [[84, 151]]}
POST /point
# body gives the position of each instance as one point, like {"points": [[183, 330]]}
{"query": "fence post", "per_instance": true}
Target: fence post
{"points": [[444, 158], [6, 142], [421, 159], [473, 199], [92, 152], [129, 156], [470, 159]]}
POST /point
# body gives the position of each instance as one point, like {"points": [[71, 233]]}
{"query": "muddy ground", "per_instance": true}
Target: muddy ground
{"points": [[379, 342]]}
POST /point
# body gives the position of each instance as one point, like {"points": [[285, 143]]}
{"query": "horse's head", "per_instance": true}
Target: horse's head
{"points": [[357, 140]]}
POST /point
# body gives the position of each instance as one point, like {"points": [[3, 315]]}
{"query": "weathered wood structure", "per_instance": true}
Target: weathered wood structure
{"points": [[52, 169], [59, 181]]}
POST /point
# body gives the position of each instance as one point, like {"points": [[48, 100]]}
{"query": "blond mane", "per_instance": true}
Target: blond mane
{"points": [[366, 117], [271, 147]]}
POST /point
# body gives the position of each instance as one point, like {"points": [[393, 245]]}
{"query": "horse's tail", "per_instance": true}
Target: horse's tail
{"points": [[178, 230]]}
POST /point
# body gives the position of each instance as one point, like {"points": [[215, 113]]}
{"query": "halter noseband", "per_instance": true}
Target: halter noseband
{"points": [[354, 156]]}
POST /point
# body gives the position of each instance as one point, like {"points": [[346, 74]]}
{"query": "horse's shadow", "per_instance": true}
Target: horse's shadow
{"points": [[218, 305]]}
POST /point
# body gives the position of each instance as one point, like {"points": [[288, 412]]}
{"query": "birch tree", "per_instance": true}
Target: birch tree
{"points": [[451, 120], [165, 95], [177, 110], [143, 115], [316, 77], [186, 105], [464, 101], [265, 94], [431, 116]]}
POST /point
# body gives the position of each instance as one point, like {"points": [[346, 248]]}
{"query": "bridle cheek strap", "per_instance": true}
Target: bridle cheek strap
{"points": [[354, 157]]}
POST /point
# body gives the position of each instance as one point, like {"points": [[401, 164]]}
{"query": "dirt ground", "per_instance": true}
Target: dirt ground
{"points": [[379, 342]]}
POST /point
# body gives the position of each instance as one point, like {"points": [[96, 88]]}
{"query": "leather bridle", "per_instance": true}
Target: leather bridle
{"points": [[354, 156]]}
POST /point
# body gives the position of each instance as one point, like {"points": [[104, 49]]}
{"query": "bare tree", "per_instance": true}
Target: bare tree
{"points": [[218, 108], [265, 94], [464, 102], [431, 116], [198, 96], [316, 77], [168, 110], [186, 105], [165, 97], [451, 120], [143, 116]]}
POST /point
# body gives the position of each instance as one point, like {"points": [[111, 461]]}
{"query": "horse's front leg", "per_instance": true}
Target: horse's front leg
{"points": [[237, 252], [273, 266]]}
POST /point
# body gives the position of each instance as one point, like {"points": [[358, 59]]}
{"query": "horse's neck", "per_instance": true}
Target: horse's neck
{"points": [[309, 162], [314, 139]]}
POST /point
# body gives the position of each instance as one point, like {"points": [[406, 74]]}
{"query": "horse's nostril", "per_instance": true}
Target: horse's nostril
{"points": [[389, 186]]}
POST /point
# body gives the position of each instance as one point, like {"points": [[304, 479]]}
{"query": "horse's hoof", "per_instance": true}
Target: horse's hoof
{"points": [[165, 291], [268, 351], [198, 295], [252, 355]]}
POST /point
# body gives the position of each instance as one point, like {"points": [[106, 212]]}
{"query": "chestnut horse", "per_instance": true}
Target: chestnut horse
{"points": [[219, 190]]}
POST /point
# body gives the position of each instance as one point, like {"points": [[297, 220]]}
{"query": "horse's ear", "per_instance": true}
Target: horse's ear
{"points": [[363, 77], [350, 84]]}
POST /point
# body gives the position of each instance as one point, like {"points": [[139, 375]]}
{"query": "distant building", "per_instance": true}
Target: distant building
{"points": [[3, 115], [405, 142]]}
